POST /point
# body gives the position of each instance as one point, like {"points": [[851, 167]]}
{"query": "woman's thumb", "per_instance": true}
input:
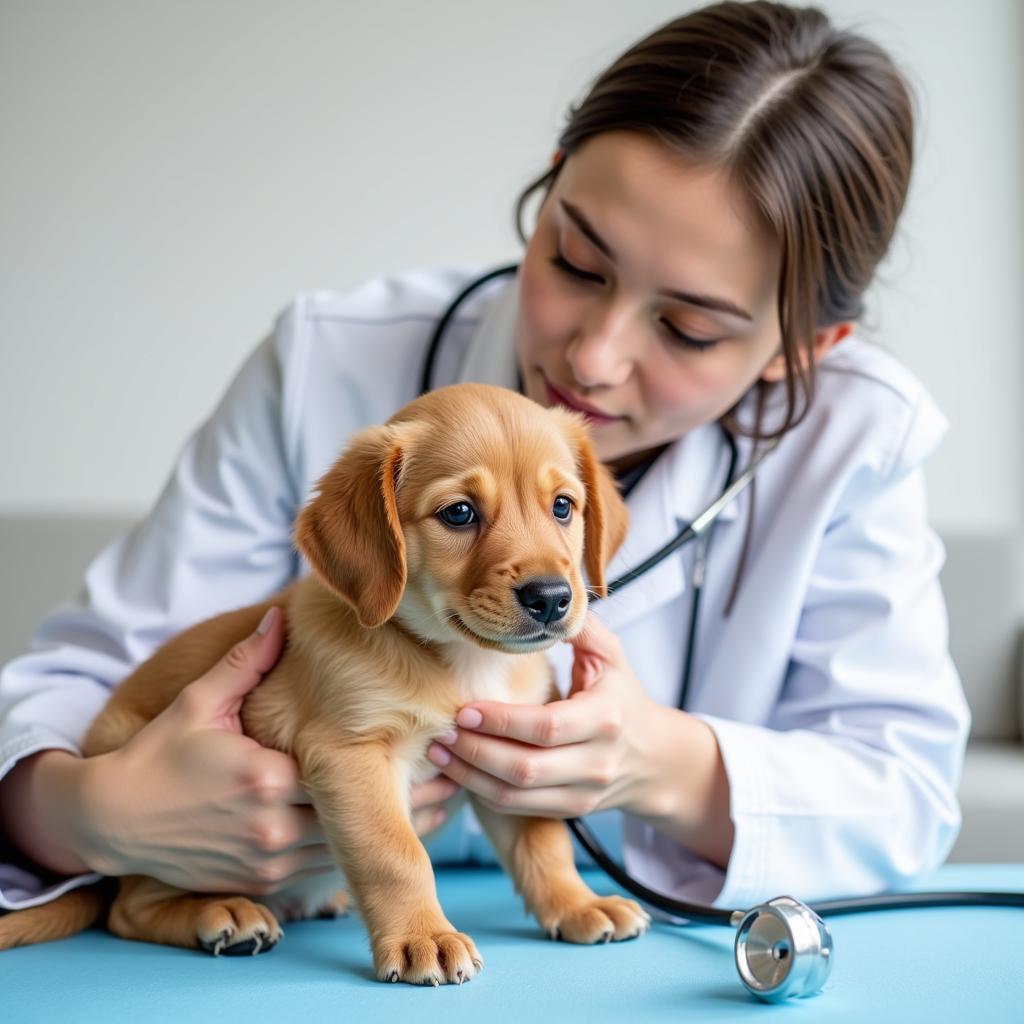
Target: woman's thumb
{"points": [[594, 647], [597, 639], [245, 664]]}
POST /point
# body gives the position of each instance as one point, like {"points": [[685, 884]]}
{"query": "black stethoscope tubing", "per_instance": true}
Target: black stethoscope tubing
{"points": [[449, 314], [697, 530]]}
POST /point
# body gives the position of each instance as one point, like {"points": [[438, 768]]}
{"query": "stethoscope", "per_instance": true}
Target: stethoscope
{"points": [[783, 948]]}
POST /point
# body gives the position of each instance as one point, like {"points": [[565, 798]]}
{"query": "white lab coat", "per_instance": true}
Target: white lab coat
{"points": [[830, 689]]}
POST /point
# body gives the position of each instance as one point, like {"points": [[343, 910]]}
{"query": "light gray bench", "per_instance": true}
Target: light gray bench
{"points": [[43, 559]]}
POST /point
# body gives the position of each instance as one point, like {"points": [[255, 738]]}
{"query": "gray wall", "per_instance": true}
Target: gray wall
{"points": [[173, 172]]}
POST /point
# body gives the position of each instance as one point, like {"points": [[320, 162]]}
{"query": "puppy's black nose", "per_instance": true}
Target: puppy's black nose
{"points": [[546, 598]]}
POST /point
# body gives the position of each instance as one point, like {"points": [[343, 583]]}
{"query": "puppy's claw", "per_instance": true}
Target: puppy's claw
{"points": [[231, 928], [217, 946]]}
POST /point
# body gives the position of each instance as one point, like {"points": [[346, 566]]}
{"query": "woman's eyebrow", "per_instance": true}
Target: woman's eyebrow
{"points": [[706, 301]]}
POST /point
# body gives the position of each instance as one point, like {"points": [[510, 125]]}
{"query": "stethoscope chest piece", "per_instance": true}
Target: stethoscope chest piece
{"points": [[783, 950]]}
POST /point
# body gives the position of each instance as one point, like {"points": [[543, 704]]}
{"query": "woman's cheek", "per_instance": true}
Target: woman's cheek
{"points": [[695, 388], [544, 312]]}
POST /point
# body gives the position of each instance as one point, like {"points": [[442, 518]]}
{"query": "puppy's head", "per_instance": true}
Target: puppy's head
{"points": [[469, 515]]}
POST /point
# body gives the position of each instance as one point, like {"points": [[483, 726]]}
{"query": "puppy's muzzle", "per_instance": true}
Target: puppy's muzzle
{"points": [[547, 599]]}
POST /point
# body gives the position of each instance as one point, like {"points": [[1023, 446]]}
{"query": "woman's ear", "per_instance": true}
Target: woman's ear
{"points": [[605, 516], [824, 339], [350, 532]]}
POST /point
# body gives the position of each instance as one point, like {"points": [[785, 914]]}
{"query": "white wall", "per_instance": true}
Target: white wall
{"points": [[171, 172]]}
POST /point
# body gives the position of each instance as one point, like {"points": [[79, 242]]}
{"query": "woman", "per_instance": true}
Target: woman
{"points": [[714, 212]]}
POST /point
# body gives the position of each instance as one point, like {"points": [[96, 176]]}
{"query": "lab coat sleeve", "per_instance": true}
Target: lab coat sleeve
{"points": [[218, 537], [851, 788]]}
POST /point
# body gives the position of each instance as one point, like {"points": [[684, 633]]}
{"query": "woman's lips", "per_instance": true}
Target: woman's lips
{"points": [[594, 416]]}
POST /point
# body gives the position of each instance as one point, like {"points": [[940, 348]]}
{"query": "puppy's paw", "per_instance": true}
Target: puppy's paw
{"points": [[600, 919], [428, 958], [337, 906], [235, 926]]}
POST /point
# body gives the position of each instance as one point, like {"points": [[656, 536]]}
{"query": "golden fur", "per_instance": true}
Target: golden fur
{"points": [[403, 620]]}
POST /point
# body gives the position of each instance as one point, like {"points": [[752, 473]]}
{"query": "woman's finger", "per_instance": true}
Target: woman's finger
{"points": [[561, 722], [220, 690], [273, 778], [312, 858], [301, 874], [429, 794], [598, 640], [310, 832], [515, 763], [424, 822], [547, 802]]}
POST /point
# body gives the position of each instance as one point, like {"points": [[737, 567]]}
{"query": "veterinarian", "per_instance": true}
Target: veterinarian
{"points": [[713, 214]]}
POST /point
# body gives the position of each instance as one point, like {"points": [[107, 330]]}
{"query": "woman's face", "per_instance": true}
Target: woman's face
{"points": [[647, 296]]}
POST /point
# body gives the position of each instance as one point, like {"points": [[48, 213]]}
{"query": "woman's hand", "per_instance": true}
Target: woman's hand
{"points": [[189, 799], [194, 802], [428, 801], [563, 759]]}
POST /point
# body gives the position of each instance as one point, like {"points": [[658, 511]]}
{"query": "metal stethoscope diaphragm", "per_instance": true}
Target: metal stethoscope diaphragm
{"points": [[783, 949]]}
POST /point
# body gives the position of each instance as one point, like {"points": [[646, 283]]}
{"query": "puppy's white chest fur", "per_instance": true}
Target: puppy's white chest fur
{"points": [[477, 674], [480, 674]]}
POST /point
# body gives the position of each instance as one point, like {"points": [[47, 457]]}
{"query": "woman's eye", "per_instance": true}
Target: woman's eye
{"points": [[459, 514], [562, 508], [700, 344], [558, 260], [681, 337]]}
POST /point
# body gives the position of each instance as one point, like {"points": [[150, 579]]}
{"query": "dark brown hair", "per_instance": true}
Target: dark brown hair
{"points": [[815, 125]]}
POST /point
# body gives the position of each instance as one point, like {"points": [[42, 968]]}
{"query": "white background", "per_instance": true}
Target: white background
{"points": [[171, 173]]}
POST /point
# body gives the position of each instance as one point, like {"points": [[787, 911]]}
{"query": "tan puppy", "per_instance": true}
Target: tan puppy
{"points": [[446, 550]]}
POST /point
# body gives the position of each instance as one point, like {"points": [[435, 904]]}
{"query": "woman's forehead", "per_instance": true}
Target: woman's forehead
{"points": [[677, 224]]}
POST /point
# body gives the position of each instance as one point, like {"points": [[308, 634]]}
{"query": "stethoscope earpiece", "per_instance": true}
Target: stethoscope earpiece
{"points": [[783, 950]]}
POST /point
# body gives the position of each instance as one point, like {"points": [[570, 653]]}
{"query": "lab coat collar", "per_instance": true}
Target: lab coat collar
{"points": [[490, 357], [681, 483]]}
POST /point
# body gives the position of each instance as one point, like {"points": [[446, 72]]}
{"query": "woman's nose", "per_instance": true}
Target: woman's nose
{"points": [[601, 353]]}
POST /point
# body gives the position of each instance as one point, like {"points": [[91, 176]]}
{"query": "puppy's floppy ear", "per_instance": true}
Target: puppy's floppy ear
{"points": [[605, 518], [350, 532]]}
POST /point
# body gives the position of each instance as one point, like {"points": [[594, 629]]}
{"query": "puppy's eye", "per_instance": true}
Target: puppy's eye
{"points": [[562, 508], [459, 514]]}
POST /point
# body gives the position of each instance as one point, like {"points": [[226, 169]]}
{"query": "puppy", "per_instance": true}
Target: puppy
{"points": [[445, 549]]}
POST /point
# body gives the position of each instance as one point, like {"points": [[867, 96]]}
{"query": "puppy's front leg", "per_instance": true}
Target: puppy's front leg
{"points": [[356, 792], [538, 854]]}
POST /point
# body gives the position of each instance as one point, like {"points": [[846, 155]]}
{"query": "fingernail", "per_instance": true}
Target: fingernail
{"points": [[449, 737], [469, 718], [267, 621], [439, 755]]}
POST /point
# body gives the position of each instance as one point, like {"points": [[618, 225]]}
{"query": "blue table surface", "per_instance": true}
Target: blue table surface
{"points": [[950, 964]]}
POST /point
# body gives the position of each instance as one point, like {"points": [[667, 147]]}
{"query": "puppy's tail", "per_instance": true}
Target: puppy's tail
{"points": [[65, 916]]}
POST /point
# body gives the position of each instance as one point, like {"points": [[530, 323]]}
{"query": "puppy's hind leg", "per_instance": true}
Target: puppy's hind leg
{"points": [[150, 911]]}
